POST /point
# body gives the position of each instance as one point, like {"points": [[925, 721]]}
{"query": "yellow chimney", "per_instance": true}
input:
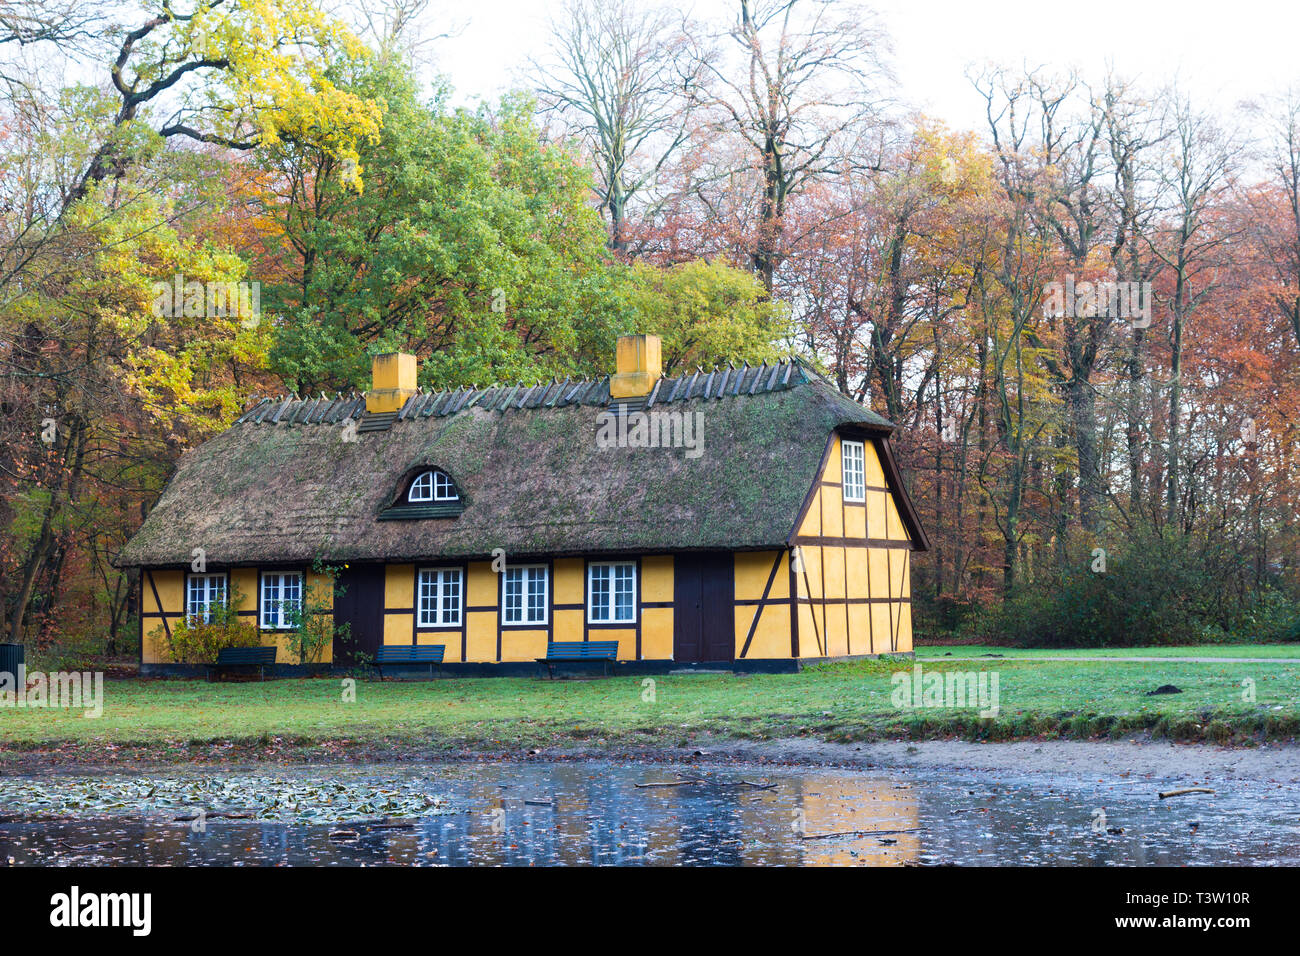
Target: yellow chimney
{"points": [[392, 382], [639, 365]]}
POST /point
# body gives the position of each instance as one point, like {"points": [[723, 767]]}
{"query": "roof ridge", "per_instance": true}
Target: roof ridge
{"points": [[718, 382]]}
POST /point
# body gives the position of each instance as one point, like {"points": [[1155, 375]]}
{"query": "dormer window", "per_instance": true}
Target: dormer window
{"points": [[421, 493], [432, 486]]}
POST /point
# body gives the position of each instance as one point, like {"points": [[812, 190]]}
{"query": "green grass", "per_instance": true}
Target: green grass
{"points": [[184, 720], [1264, 651]]}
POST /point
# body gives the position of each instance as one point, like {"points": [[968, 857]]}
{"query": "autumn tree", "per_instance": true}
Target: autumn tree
{"points": [[799, 84], [624, 80]]}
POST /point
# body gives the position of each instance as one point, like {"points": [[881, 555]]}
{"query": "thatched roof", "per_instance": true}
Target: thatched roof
{"points": [[284, 484]]}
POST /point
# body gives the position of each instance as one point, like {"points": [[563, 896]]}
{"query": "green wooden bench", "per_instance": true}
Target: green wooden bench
{"points": [[430, 654], [561, 651], [229, 658]]}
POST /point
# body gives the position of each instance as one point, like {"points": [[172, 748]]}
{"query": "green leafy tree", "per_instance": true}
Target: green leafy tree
{"points": [[472, 244], [707, 313]]}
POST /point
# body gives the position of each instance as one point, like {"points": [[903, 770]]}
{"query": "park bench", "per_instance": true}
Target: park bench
{"points": [[560, 651], [232, 657], [430, 654]]}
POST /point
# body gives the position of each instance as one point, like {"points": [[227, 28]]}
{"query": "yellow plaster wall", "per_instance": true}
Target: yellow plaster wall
{"points": [[626, 638], [399, 588], [770, 621], [246, 581], [171, 593], [483, 586], [657, 578], [481, 637], [570, 581], [812, 521], [522, 645], [569, 625], [657, 634], [398, 628]]}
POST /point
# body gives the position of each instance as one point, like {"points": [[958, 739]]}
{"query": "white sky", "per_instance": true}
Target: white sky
{"points": [[1221, 53]]}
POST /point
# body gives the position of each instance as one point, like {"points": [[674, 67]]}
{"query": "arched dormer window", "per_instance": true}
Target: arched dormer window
{"points": [[423, 492], [432, 486]]}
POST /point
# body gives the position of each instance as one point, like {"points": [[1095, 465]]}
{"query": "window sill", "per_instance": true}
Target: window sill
{"points": [[409, 512]]}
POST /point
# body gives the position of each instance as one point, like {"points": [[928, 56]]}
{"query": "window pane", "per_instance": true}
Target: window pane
{"points": [[514, 595], [197, 597], [428, 590], [293, 596], [853, 461], [600, 592], [536, 595], [422, 488], [451, 597], [270, 599], [443, 490], [623, 591]]}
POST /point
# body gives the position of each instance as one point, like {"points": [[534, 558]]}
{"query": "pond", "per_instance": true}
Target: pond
{"points": [[594, 813]]}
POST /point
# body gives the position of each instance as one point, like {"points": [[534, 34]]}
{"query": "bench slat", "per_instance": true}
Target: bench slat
{"points": [[581, 650], [417, 654], [229, 656]]}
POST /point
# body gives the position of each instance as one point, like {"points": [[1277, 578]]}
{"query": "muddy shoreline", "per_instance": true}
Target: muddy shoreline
{"points": [[1138, 756]]}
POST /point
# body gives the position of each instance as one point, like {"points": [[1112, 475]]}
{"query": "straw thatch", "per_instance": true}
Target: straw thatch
{"points": [[285, 483]]}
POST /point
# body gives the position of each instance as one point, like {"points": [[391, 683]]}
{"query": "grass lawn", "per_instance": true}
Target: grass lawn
{"points": [[928, 651], [188, 720]]}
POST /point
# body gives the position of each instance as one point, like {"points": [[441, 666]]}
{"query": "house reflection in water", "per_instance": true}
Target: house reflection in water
{"points": [[596, 816], [712, 824]]}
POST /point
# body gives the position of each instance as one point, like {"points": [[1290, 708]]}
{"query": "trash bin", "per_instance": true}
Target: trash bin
{"points": [[11, 656]]}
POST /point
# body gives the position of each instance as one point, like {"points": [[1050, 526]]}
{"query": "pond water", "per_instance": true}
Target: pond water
{"points": [[593, 813]]}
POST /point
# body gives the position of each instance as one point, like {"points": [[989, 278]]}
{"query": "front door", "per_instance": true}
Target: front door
{"points": [[361, 607], [704, 588]]}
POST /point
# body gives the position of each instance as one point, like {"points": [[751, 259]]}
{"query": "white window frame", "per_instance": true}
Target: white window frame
{"points": [[222, 591], [526, 575], [438, 579], [606, 569], [273, 611], [858, 491], [437, 487]]}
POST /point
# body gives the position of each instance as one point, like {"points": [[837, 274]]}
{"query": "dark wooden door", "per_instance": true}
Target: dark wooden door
{"points": [[361, 606], [704, 589]]}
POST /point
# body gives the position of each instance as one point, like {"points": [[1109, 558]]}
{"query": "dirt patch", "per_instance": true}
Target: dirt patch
{"points": [[1135, 756], [1139, 756]]}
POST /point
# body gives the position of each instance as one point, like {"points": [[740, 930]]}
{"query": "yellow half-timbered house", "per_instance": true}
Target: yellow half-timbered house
{"points": [[740, 518]]}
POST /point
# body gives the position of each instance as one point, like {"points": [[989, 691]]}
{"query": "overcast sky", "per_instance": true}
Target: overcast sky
{"points": [[1220, 52]]}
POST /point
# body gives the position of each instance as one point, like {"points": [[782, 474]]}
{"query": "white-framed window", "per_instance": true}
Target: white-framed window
{"points": [[281, 598], [611, 592], [523, 594], [432, 486], [204, 593], [852, 462], [439, 597]]}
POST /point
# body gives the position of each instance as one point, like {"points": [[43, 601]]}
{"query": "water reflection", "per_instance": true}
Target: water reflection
{"points": [[539, 814]]}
